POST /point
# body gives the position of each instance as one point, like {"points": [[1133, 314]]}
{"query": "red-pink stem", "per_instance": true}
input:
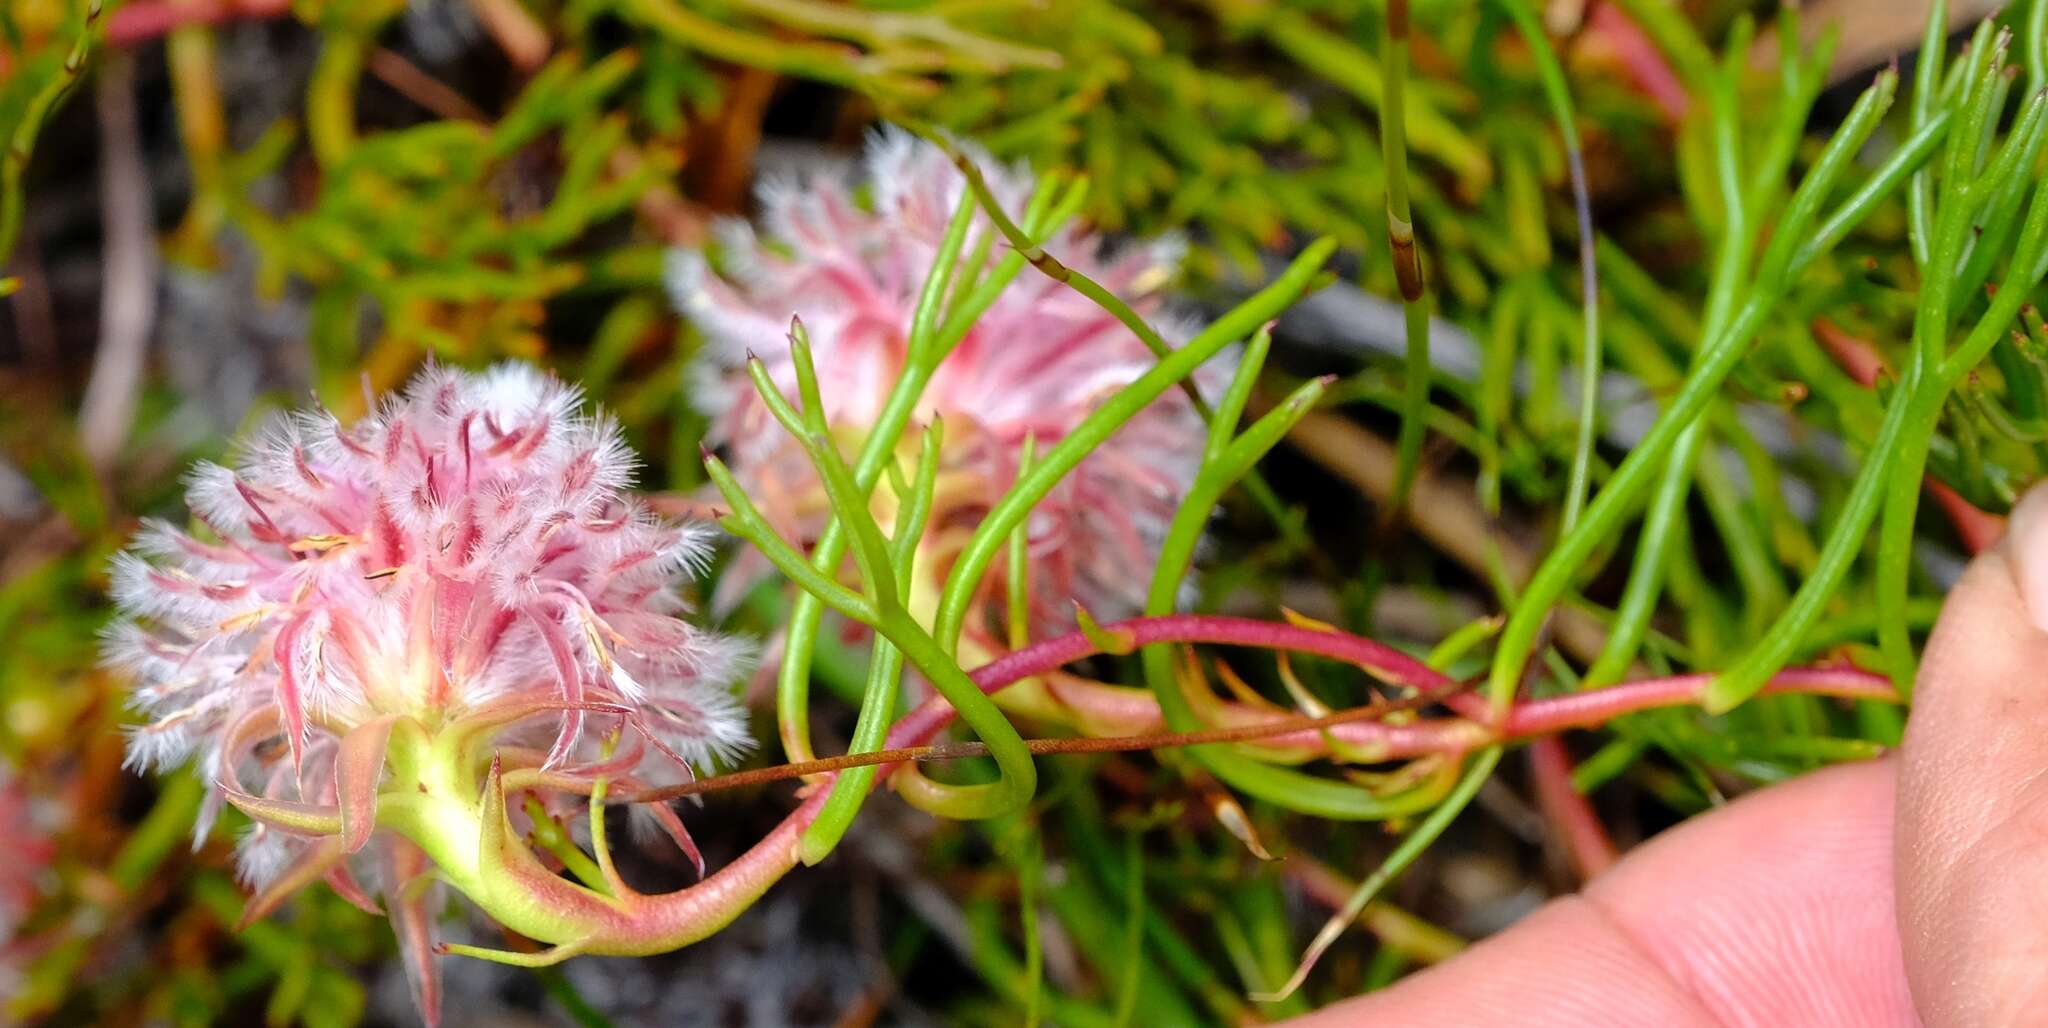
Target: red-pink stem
{"points": [[1642, 60], [1979, 529], [1442, 735], [1381, 660], [141, 22], [1586, 709], [676, 918], [1578, 827]]}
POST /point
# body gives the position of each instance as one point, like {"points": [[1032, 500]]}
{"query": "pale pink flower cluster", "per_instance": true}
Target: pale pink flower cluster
{"points": [[468, 551], [1037, 362]]}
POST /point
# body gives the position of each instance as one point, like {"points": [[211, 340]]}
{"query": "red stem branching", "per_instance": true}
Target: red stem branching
{"points": [[1358, 728], [580, 921]]}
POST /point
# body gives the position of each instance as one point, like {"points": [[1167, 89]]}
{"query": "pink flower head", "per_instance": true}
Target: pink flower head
{"points": [[1038, 361], [467, 561]]}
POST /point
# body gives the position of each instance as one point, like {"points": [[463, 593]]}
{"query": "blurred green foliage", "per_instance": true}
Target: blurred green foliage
{"points": [[530, 218]]}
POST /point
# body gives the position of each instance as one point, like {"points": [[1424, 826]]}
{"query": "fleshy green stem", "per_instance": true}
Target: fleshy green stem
{"points": [[1291, 789], [1407, 259], [885, 667], [990, 536], [14, 163], [882, 605], [1412, 846], [922, 351], [1719, 355], [1908, 422], [1557, 91]]}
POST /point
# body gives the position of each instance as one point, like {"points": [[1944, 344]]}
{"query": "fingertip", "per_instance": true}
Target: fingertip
{"points": [[1566, 965], [2026, 550], [1777, 908], [1773, 910], [1973, 796]]}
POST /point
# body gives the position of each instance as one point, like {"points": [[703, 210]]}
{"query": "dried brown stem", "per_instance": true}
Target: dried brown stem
{"points": [[421, 88], [128, 297]]}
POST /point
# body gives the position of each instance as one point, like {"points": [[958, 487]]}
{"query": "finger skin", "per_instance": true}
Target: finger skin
{"points": [[1780, 908], [1972, 835], [1775, 910]]}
